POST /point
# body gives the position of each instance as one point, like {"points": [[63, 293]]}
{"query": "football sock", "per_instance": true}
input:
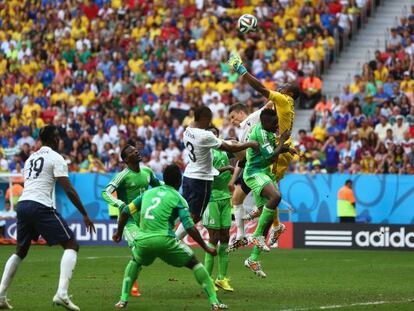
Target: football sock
{"points": [[255, 253], [223, 261], [130, 275], [276, 220], [206, 282], [9, 271], [180, 233], [67, 265], [209, 260], [238, 216], [264, 219]]}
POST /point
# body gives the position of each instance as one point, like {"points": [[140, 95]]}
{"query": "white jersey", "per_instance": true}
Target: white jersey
{"points": [[199, 143], [247, 125], [40, 172]]}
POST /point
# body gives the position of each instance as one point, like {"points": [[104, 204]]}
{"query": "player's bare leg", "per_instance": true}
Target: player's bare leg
{"points": [[237, 201], [67, 265], [10, 270]]}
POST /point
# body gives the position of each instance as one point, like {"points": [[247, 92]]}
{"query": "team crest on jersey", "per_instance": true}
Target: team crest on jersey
{"points": [[212, 222]]}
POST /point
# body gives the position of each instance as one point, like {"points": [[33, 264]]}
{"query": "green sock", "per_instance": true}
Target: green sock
{"points": [[255, 253], [265, 218], [209, 260], [223, 261], [206, 282], [130, 275]]}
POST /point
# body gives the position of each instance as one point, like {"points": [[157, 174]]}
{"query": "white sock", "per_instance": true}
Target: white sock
{"points": [[180, 233], [238, 216], [9, 271], [67, 265]]}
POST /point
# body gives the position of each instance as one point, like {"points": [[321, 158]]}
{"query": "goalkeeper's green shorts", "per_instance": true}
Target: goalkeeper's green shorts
{"points": [[168, 249]]}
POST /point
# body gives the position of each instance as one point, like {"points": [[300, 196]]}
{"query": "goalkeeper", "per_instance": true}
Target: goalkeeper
{"points": [[284, 105]]}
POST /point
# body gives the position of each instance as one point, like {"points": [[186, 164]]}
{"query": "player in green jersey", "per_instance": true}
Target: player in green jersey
{"points": [[260, 178], [159, 209], [217, 216], [128, 184]]}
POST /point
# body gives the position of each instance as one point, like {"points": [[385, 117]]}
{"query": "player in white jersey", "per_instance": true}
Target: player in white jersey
{"points": [[200, 172], [239, 117], [37, 216]]}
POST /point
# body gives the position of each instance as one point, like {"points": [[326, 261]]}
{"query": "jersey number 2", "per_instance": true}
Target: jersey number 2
{"points": [[190, 148], [36, 166], [155, 202]]}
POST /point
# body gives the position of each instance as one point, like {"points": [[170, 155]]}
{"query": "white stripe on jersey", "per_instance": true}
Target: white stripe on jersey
{"points": [[199, 143], [40, 172]]}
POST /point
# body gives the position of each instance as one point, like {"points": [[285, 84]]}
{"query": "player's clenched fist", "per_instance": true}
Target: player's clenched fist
{"points": [[117, 237]]}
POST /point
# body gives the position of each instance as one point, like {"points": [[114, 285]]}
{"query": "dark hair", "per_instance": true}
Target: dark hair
{"points": [[172, 175], [238, 107], [202, 112], [267, 113], [294, 89], [348, 181], [123, 151], [46, 133]]}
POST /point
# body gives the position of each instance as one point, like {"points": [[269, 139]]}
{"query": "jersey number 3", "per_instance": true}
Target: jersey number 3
{"points": [[155, 202], [36, 166], [191, 154]]}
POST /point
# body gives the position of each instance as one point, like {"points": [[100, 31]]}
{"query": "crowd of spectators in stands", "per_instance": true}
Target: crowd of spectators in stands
{"points": [[370, 127], [111, 72]]}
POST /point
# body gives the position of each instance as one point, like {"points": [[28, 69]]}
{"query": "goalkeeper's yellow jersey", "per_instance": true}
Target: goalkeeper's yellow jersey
{"points": [[285, 109]]}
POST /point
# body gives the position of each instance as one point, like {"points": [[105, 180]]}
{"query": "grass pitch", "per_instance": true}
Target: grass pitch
{"points": [[297, 280]]}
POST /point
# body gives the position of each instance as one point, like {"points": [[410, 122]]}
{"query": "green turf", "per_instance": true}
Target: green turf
{"points": [[296, 279]]}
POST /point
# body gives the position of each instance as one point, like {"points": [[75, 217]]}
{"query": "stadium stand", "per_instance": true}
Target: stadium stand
{"points": [[109, 72], [370, 127]]}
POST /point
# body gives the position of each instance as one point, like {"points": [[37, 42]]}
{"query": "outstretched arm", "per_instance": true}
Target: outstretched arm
{"points": [[236, 63]]}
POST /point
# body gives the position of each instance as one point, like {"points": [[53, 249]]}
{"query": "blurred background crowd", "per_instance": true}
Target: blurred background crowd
{"points": [[111, 72]]}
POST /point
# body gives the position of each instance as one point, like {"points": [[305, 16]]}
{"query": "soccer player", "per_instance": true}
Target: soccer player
{"points": [[284, 101], [129, 184], [158, 209], [217, 217], [260, 178], [239, 117], [199, 173], [37, 216]]}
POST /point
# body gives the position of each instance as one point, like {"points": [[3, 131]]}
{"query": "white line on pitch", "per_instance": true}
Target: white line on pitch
{"points": [[358, 304]]}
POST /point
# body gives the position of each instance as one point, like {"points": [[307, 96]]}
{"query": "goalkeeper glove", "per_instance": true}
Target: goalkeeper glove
{"points": [[236, 63]]}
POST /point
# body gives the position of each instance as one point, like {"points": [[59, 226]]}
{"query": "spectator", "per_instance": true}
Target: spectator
{"points": [[381, 128], [312, 86]]}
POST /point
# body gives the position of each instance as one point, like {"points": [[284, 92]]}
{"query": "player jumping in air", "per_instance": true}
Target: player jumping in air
{"points": [[217, 217], [159, 208], [37, 216], [129, 184], [199, 173], [284, 104], [260, 178]]}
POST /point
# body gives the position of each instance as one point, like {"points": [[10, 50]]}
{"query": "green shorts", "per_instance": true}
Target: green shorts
{"points": [[218, 214], [131, 233], [257, 182], [168, 249]]}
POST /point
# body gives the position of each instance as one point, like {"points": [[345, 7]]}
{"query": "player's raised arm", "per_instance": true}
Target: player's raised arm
{"points": [[236, 63], [74, 198]]}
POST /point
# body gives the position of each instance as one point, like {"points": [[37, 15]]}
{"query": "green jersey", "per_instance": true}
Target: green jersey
{"points": [[220, 186], [261, 160], [128, 185], [159, 208]]}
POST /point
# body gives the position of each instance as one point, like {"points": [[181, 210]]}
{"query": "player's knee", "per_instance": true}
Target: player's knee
{"points": [[22, 251], [224, 237], [192, 263], [275, 199], [71, 244]]}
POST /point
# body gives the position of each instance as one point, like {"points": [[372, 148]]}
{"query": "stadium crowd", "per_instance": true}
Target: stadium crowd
{"points": [[370, 127], [111, 72]]}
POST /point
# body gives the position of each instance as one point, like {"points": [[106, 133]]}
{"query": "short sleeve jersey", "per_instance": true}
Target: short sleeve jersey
{"points": [[159, 208], [40, 172], [220, 187], [247, 125], [260, 161], [199, 144]]}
